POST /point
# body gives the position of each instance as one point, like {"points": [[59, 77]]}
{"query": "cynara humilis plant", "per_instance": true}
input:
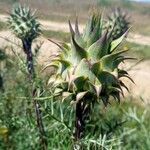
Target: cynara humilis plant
{"points": [[26, 27], [119, 20], [87, 69]]}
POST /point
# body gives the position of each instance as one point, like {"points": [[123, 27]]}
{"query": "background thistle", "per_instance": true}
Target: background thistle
{"points": [[26, 27], [87, 69], [118, 20]]}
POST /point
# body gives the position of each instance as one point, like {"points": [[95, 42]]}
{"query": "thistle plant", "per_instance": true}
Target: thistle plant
{"points": [[26, 27], [119, 21], [87, 70]]}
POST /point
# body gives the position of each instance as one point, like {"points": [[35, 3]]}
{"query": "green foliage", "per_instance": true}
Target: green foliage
{"points": [[118, 127], [125, 124], [58, 117]]}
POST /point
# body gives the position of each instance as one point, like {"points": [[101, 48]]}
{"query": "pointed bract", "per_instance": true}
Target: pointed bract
{"points": [[91, 63]]}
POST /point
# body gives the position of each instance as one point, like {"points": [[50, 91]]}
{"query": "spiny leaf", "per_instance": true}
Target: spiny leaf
{"points": [[61, 47], [77, 27], [99, 48], [83, 69], [98, 89], [66, 96], [88, 28], [94, 36], [116, 43], [54, 64], [80, 96], [123, 85], [71, 29], [78, 37], [123, 73], [80, 82], [107, 78], [78, 53], [110, 62]]}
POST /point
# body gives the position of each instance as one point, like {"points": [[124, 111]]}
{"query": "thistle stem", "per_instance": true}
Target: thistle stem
{"points": [[28, 52], [82, 114], [79, 122]]}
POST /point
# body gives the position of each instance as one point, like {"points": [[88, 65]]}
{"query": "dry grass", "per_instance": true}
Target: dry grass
{"points": [[62, 10]]}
